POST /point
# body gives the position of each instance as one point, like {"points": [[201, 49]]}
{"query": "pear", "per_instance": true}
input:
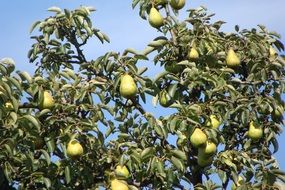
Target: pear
{"points": [[198, 138], [272, 52], [9, 106], [164, 99], [177, 4], [204, 161], [155, 18], [207, 150], [277, 114], [47, 101], [119, 185], [74, 149], [128, 87], [254, 133], [214, 123], [122, 171], [232, 59], [193, 54]]}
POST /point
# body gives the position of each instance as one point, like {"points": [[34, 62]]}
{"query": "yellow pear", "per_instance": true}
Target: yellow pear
{"points": [[255, 133], [272, 52], [193, 54], [214, 123], [119, 185], [122, 171], [198, 138], [239, 182], [208, 149], [74, 149], [47, 101], [128, 87], [177, 4], [155, 19], [9, 105], [204, 161], [232, 59]]}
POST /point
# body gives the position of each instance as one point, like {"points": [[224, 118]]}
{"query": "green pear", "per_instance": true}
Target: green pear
{"points": [[164, 99], [177, 4], [254, 132], [155, 18], [119, 185], [193, 54], [198, 138], [122, 171], [214, 123], [47, 101], [128, 87], [232, 59], [74, 149], [204, 161], [277, 114], [207, 150]]}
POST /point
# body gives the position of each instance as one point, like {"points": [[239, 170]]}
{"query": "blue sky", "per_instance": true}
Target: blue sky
{"points": [[125, 28]]}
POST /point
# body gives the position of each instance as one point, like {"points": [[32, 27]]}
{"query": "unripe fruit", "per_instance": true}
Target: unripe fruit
{"points": [[128, 87], [232, 59], [155, 18], [193, 54], [207, 150], [74, 149], [204, 161], [47, 101], [122, 171], [254, 133], [177, 4], [214, 123], [164, 99], [198, 138], [119, 185]]}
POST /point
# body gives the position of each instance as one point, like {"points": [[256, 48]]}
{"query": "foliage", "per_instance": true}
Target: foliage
{"points": [[116, 131]]}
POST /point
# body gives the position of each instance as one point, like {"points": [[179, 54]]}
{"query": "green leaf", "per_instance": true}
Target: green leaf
{"points": [[54, 9], [67, 174], [177, 163], [33, 120], [179, 154]]}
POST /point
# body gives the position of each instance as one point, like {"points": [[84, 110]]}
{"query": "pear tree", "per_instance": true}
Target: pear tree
{"points": [[80, 123]]}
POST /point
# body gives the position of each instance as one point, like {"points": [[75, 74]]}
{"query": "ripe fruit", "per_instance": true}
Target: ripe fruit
{"points": [[204, 161], [198, 138], [122, 171], [272, 52], [119, 185], [128, 87], [208, 150], [232, 59], [9, 106], [193, 54], [47, 101], [177, 4], [155, 19], [74, 149], [214, 123], [255, 133], [239, 182], [164, 99]]}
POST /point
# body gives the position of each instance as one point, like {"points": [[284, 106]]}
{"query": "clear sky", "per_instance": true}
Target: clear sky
{"points": [[125, 28]]}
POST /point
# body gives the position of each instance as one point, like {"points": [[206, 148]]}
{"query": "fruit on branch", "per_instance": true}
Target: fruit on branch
{"points": [[119, 185], [193, 54], [122, 171], [9, 106], [204, 161], [254, 132], [214, 123], [128, 87], [277, 114], [74, 149], [164, 99], [272, 52], [177, 4], [239, 182], [232, 59], [155, 19], [198, 138], [208, 150], [47, 101]]}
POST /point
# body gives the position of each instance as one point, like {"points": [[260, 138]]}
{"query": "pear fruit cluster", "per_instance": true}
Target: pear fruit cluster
{"points": [[177, 4], [128, 87], [155, 19], [232, 59], [47, 101], [74, 149]]}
